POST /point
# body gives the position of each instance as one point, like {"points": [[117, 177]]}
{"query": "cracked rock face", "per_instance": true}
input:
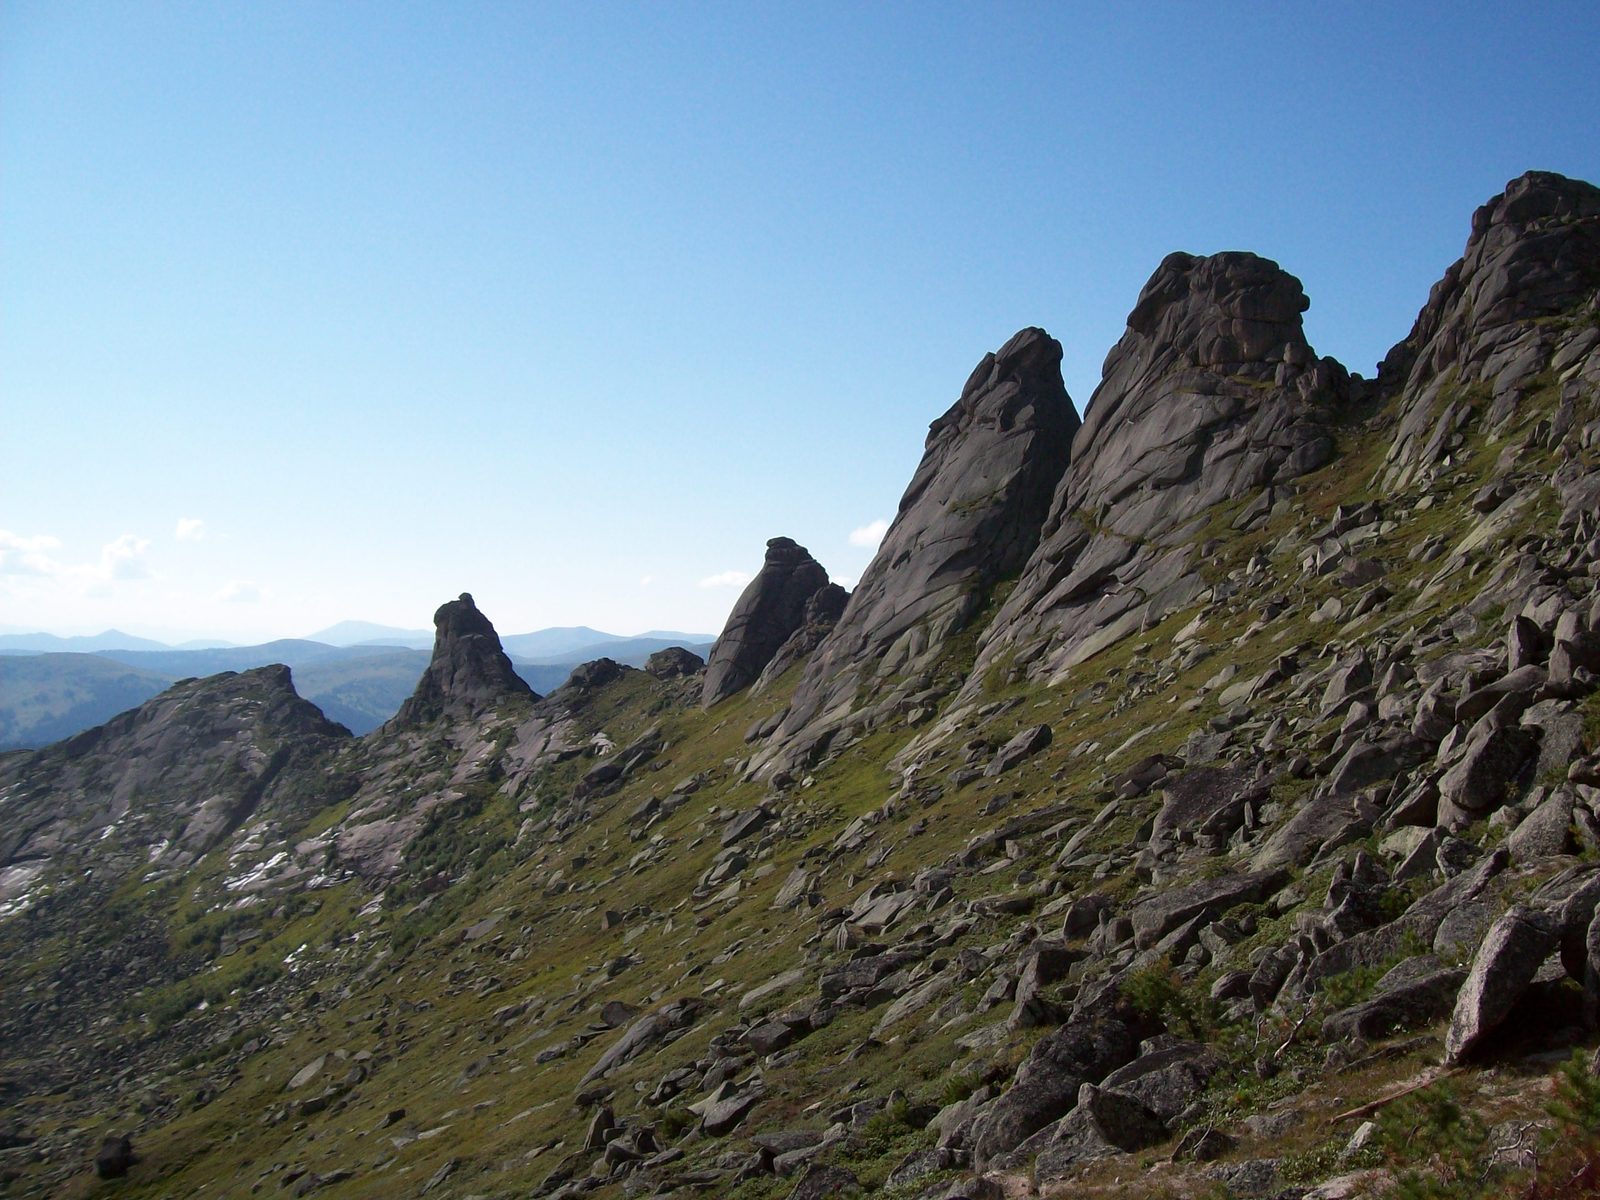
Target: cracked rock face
{"points": [[970, 517], [1213, 393], [769, 611], [1499, 321], [469, 672]]}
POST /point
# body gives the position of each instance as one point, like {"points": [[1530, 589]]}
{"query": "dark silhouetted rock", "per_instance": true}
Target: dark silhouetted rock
{"points": [[115, 1156], [469, 672], [765, 616], [594, 674], [822, 614], [673, 662]]}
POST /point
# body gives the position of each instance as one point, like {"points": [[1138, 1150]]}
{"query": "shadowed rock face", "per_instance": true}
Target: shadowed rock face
{"points": [[1494, 320], [766, 615], [969, 518], [1211, 394], [468, 672]]}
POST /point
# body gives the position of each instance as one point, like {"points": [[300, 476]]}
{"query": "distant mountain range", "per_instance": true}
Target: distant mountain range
{"points": [[52, 687]]}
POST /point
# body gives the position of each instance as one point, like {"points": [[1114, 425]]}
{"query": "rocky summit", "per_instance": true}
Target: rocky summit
{"points": [[468, 671], [1201, 800]]}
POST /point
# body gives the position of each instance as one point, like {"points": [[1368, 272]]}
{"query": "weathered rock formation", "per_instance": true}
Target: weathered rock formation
{"points": [[469, 672], [1212, 394], [171, 778], [768, 612], [1500, 324], [969, 518]]}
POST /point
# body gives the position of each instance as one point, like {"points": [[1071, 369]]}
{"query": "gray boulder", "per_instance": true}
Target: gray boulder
{"points": [[1023, 746], [1544, 832], [1047, 1084], [826, 1183], [115, 1156], [1159, 913], [1165, 1081], [1103, 1124], [1206, 801], [1478, 783], [1415, 992], [1512, 952]]}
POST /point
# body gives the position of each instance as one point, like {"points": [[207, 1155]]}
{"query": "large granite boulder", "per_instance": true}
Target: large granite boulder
{"points": [[469, 671], [969, 518], [1047, 1084], [1507, 959], [769, 611]]}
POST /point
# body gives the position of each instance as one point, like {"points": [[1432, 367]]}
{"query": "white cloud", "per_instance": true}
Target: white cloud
{"points": [[646, 580], [726, 579], [124, 558], [190, 529], [239, 591], [870, 534], [28, 555]]}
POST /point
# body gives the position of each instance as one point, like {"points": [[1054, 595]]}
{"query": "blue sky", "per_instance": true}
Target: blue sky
{"points": [[316, 311]]}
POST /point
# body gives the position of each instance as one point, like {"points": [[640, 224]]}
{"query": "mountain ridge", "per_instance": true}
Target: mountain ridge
{"points": [[1155, 808]]}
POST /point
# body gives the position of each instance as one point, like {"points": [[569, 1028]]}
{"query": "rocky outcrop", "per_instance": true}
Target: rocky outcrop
{"points": [[822, 614], [179, 773], [1212, 394], [769, 611], [1273, 828], [970, 517], [469, 672], [674, 662], [1499, 325]]}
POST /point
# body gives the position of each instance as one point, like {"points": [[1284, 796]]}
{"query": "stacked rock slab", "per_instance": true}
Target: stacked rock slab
{"points": [[1212, 394], [469, 671], [970, 517], [766, 615], [1499, 324]]}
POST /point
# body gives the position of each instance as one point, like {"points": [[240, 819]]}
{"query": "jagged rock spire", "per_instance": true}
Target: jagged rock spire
{"points": [[970, 516], [767, 613], [469, 670]]}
